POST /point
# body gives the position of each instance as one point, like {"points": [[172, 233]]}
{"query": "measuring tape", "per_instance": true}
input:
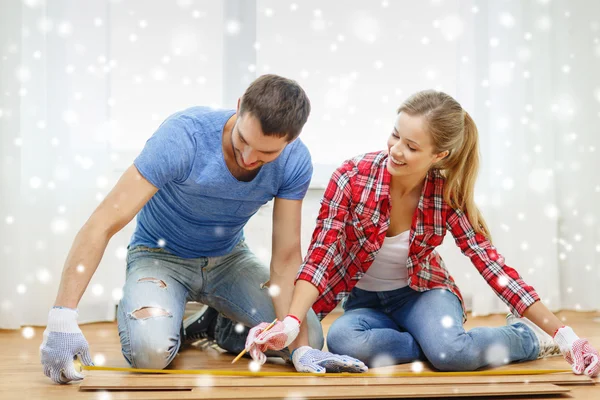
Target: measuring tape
{"points": [[218, 372]]}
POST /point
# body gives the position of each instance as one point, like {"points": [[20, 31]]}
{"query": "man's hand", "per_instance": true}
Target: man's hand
{"points": [[63, 341], [307, 359], [584, 359], [278, 337]]}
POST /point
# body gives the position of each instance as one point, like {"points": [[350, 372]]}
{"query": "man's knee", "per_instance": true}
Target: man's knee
{"points": [[156, 354], [146, 348]]}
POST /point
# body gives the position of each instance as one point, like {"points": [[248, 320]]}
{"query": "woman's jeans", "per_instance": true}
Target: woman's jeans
{"points": [[162, 283], [403, 325]]}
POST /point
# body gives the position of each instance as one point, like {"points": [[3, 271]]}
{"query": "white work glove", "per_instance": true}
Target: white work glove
{"points": [[278, 337], [578, 352], [307, 359], [63, 342]]}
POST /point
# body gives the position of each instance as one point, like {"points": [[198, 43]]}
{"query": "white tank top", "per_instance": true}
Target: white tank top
{"points": [[388, 271]]}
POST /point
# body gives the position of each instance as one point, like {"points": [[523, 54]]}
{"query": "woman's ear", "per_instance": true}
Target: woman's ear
{"points": [[440, 156]]}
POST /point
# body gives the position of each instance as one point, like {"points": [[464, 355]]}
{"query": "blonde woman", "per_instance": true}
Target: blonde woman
{"points": [[381, 218]]}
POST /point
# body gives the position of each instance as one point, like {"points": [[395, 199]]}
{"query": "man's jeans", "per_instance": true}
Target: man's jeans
{"points": [[159, 284], [403, 325]]}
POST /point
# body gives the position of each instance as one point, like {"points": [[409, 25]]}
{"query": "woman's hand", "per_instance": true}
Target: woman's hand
{"points": [[584, 359], [278, 337]]}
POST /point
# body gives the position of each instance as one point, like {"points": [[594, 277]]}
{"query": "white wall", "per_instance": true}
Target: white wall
{"points": [[84, 84]]}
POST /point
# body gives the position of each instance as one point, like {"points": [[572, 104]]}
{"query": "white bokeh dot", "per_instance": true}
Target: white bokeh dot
{"points": [[382, 360], [233, 27], [204, 381], [417, 367], [496, 355], [35, 182], [59, 225], [254, 366], [507, 20], [99, 359], [28, 332], [543, 23], [451, 27], [551, 211], [117, 294], [447, 321], [508, 183], [97, 289], [274, 290], [121, 252], [43, 275]]}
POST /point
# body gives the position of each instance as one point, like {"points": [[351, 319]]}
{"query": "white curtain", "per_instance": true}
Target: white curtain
{"points": [[527, 73], [52, 150], [84, 84], [531, 83]]}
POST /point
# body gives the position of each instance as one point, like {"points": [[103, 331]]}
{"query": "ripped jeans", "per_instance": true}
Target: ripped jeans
{"points": [[159, 284]]}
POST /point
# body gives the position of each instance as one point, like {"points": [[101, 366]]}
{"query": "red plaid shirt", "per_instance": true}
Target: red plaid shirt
{"points": [[352, 225]]}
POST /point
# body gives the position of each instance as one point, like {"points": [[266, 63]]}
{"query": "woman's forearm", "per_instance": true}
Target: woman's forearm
{"points": [[539, 314], [305, 294]]}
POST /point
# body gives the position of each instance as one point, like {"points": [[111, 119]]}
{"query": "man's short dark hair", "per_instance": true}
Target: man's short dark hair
{"points": [[280, 104]]}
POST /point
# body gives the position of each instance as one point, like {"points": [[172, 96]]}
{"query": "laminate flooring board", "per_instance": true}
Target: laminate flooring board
{"points": [[22, 377], [121, 381], [350, 392]]}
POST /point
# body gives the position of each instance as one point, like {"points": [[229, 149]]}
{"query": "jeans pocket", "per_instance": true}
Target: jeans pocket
{"points": [[139, 251]]}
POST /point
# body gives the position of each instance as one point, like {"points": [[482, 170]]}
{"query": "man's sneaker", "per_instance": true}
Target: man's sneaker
{"points": [[547, 346], [200, 325]]}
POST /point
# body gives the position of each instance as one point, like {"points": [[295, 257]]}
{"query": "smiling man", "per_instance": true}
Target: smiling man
{"points": [[194, 186]]}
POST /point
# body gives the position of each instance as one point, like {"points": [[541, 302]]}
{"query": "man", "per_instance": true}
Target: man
{"points": [[193, 187]]}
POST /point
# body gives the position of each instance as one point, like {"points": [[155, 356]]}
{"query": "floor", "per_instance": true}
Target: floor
{"points": [[22, 376]]}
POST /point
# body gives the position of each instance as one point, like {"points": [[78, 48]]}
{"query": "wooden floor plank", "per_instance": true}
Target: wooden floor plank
{"points": [[120, 381], [349, 392], [21, 375]]}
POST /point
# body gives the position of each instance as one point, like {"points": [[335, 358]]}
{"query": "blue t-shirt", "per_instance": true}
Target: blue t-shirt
{"points": [[200, 208]]}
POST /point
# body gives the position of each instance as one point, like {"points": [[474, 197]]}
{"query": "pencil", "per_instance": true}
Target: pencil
{"points": [[244, 351]]}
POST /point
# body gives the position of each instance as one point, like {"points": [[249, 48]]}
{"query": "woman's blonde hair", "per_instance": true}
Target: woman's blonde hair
{"points": [[452, 130]]}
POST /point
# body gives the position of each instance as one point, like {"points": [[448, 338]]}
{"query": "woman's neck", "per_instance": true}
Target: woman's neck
{"points": [[406, 185]]}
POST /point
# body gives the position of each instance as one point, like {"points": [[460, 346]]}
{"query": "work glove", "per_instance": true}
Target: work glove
{"points": [[584, 359], [307, 359], [278, 337], [63, 342]]}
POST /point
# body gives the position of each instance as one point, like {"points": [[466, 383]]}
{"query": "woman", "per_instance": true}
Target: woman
{"points": [[382, 216]]}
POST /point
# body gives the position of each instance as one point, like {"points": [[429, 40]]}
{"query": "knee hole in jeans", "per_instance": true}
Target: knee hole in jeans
{"points": [[161, 284], [149, 312]]}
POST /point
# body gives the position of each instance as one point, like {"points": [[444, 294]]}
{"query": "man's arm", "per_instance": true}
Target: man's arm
{"points": [[286, 257], [119, 207]]}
